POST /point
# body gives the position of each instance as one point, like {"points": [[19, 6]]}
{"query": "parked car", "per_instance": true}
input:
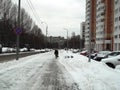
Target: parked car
{"points": [[0, 48], [85, 53], [23, 49], [113, 54], [76, 51], [93, 55], [100, 55], [112, 62]]}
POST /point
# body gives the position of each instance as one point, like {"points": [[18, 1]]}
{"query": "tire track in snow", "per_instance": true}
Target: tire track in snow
{"points": [[54, 78]]}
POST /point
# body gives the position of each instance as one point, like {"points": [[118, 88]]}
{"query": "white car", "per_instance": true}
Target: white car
{"points": [[100, 55], [113, 54], [0, 48], [113, 61]]}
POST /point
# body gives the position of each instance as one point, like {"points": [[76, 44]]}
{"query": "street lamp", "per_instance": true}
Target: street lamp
{"points": [[67, 37], [18, 31], [90, 32], [46, 33]]}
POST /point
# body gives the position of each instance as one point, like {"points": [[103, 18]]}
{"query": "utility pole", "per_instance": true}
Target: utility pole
{"points": [[90, 31], [46, 33], [67, 38], [4, 32], [80, 42], [80, 39], [17, 51]]}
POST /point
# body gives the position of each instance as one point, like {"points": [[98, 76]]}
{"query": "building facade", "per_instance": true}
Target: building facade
{"points": [[117, 25], [82, 36], [87, 23], [57, 42], [101, 24], [83, 30], [90, 23]]}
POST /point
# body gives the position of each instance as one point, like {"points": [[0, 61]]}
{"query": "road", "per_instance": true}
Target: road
{"points": [[45, 72], [57, 78], [12, 56], [37, 72]]}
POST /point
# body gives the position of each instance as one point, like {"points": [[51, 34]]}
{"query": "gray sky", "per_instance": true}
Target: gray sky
{"points": [[58, 14]]}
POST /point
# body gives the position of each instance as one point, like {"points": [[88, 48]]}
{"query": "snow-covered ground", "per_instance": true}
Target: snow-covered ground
{"points": [[93, 75], [27, 73]]}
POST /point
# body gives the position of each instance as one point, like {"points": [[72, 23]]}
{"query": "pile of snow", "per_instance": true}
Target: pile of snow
{"points": [[117, 68], [91, 75]]}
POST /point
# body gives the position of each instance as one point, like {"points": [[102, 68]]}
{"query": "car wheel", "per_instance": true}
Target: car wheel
{"points": [[110, 65]]}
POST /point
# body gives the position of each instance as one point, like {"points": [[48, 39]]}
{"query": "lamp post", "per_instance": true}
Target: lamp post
{"points": [[67, 37], [46, 33], [18, 30], [90, 32]]}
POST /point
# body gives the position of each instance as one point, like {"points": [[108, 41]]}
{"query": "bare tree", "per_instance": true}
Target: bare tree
{"points": [[13, 15]]}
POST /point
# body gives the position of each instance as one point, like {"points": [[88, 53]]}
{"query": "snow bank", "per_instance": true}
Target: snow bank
{"points": [[90, 75]]}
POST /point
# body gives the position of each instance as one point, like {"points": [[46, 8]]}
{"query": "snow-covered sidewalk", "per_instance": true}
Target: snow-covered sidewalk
{"points": [[91, 75], [31, 73]]}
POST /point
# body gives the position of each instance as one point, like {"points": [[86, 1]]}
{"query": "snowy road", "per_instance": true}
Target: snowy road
{"points": [[34, 73], [57, 78], [68, 72]]}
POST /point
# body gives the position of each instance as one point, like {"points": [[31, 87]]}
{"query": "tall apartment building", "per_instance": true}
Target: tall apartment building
{"points": [[83, 30], [117, 25], [100, 20], [90, 23], [82, 44]]}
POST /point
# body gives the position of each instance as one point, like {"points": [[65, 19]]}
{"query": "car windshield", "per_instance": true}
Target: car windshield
{"points": [[114, 53], [104, 52]]}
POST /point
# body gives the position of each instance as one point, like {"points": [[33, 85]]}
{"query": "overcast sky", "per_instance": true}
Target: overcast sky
{"points": [[58, 14]]}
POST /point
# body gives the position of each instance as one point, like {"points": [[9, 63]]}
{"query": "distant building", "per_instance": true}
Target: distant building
{"points": [[82, 36], [83, 30], [57, 40]]}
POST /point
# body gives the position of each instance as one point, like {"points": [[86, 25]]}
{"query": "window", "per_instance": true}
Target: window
{"points": [[116, 36], [119, 46]]}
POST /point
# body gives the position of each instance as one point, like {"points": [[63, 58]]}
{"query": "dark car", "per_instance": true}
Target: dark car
{"points": [[0, 48], [100, 55], [113, 54]]}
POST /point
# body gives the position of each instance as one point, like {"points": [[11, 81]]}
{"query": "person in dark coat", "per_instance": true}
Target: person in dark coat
{"points": [[56, 53]]}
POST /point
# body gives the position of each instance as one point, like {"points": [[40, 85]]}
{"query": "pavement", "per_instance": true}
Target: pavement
{"points": [[37, 72], [57, 78]]}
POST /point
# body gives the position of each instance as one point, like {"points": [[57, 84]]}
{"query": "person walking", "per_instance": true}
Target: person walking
{"points": [[56, 53]]}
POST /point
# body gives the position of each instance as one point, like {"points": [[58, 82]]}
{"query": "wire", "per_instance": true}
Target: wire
{"points": [[35, 14]]}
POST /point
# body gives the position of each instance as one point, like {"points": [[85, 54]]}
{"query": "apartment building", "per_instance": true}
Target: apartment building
{"points": [[117, 25], [101, 23], [90, 25], [56, 41], [83, 30], [87, 23]]}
